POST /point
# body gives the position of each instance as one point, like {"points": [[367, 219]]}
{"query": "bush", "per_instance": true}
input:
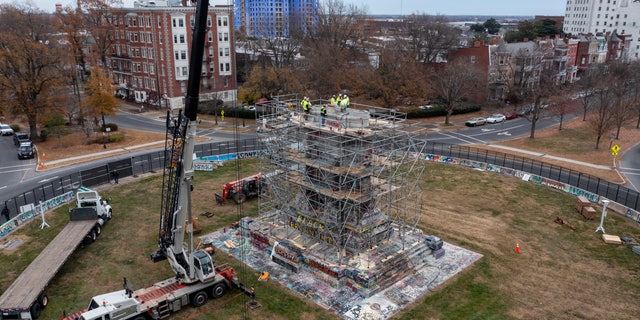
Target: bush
{"points": [[15, 127], [440, 111], [116, 137], [112, 126], [43, 135]]}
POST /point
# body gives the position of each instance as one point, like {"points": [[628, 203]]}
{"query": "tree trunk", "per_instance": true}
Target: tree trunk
{"points": [[584, 114], [598, 142], [561, 118], [618, 132], [448, 115], [104, 124]]}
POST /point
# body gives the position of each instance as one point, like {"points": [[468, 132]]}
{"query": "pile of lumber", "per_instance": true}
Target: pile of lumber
{"points": [[583, 205]]}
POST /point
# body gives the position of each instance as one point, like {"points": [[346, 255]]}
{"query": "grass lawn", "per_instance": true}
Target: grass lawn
{"points": [[560, 274]]}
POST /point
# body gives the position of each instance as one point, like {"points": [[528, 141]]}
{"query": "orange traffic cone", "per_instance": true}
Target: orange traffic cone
{"points": [[41, 165], [517, 248]]}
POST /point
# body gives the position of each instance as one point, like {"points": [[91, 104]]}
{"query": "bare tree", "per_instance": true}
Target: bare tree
{"points": [[430, 37], [72, 23], [535, 81], [454, 81], [622, 88], [333, 48], [589, 79], [30, 62], [98, 18], [634, 93], [601, 118]]}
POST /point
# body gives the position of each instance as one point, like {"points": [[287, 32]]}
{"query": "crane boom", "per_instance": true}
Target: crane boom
{"points": [[175, 213]]}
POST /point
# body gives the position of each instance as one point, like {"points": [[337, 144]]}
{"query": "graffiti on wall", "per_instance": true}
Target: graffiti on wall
{"points": [[34, 211]]}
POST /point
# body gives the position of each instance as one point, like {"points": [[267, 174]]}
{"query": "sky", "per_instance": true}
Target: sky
{"points": [[432, 7]]}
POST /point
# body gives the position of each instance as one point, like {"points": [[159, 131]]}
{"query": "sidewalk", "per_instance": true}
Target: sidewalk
{"points": [[544, 155], [104, 153]]}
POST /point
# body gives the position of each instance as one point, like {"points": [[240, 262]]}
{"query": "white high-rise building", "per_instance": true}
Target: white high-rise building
{"points": [[602, 16]]}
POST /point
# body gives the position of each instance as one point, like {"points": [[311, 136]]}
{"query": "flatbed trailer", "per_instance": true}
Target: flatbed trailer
{"points": [[25, 298]]}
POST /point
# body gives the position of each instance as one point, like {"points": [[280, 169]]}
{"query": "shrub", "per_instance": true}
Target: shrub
{"points": [[116, 137], [15, 127], [112, 126]]}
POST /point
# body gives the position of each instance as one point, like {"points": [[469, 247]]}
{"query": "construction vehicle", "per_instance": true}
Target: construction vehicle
{"points": [[197, 277], [241, 190], [26, 296]]}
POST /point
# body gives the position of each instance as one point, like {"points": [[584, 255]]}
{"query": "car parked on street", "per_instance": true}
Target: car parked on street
{"points": [[20, 137], [25, 151], [475, 121], [6, 130], [496, 118], [510, 115]]}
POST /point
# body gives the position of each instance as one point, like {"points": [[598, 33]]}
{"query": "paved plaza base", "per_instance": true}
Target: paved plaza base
{"points": [[424, 271]]}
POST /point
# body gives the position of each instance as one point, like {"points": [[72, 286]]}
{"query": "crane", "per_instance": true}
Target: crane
{"points": [[175, 213]]}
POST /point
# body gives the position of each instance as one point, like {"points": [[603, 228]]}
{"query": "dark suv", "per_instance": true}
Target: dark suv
{"points": [[20, 137], [25, 151]]}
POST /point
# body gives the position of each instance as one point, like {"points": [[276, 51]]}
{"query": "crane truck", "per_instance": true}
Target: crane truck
{"points": [[25, 298], [197, 276]]}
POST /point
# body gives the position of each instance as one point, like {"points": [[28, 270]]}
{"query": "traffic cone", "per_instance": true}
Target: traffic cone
{"points": [[517, 248], [42, 165]]}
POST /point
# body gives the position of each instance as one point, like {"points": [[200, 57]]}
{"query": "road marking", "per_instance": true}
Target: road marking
{"points": [[487, 130], [2, 187], [506, 133], [461, 139], [45, 180]]}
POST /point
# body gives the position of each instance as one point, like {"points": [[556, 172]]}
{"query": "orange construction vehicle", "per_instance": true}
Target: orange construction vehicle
{"points": [[241, 190]]}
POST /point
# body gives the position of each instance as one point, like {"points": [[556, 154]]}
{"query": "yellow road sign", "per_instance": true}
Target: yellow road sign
{"points": [[615, 149]]}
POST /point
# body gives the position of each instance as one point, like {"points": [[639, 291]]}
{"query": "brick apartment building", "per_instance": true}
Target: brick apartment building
{"points": [[151, 50]]}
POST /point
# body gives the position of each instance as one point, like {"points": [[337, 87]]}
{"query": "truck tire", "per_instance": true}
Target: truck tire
{"points": [[199, 298], [91, 237], [239, 197], [35, 310], [142, 317], [43, 300], [218, 290], [98, 229]]}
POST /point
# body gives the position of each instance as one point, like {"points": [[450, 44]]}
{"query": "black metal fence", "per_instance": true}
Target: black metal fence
{"points": [[612, 191], [153, 161], [103, 174]]}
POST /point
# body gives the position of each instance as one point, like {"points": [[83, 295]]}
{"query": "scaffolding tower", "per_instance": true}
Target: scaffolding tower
{"points": [[344, 195]]}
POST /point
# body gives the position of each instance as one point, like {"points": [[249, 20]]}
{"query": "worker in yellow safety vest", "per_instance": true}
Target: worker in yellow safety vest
{"points": [[305, 104], [332, 101], [344, 103], [338, 99]]}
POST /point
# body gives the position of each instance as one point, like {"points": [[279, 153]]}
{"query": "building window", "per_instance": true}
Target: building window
{"points": [[183, 55], [208, 21], [135, 37], [185, 71], [210, 51], [210, 36], [212, 67], [473, 59], [182, 38], [192, 21], [152, 69], [226, 82]]}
